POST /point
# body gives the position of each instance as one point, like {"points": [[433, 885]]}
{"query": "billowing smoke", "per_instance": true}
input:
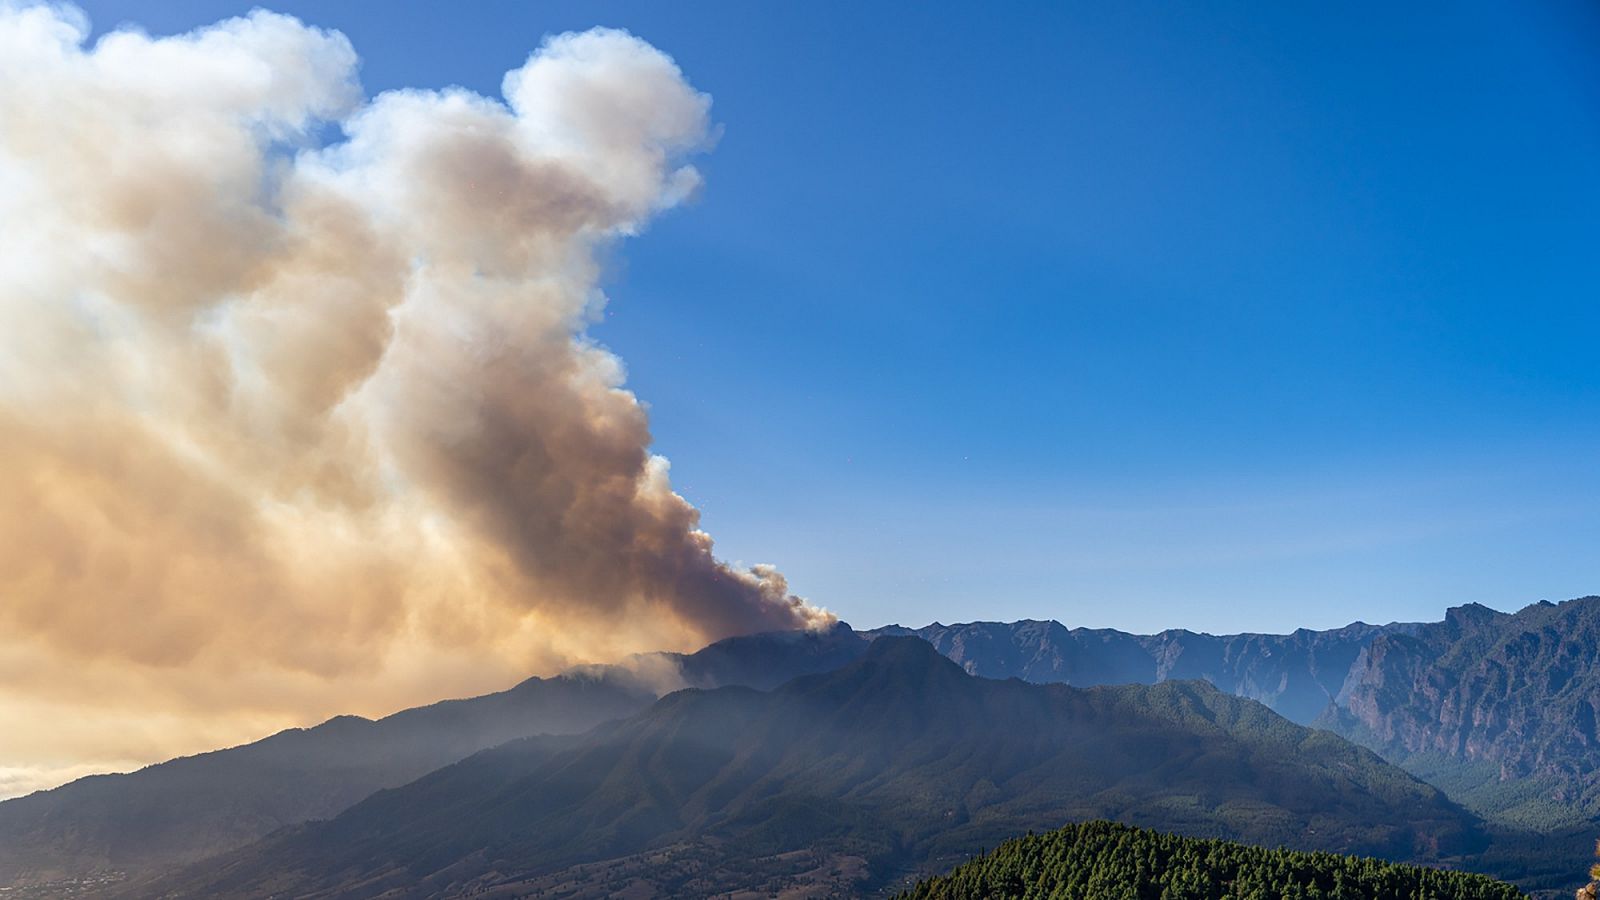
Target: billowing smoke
{"points": [[273, 411]]}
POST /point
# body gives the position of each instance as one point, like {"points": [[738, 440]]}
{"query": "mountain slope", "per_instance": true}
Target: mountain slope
{"points": [[899, 762], [764, 661], [1500, 709], [1106, 861], [192, 807]]}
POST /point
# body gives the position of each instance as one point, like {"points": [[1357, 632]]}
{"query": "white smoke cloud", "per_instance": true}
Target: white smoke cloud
{"points": [[273, 411]]}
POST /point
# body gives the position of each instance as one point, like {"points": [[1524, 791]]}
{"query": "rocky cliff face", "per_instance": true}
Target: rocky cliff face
{"points": [[1297, 675], [1502, 710], [1520, 690], [1513, 696]]}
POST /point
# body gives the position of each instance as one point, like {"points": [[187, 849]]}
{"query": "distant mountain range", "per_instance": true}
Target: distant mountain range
{"points": [[1498, 710], [1296, 675], [895, 764]]}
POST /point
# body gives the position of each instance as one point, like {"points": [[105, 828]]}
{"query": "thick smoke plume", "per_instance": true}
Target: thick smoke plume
{"points": [[274, 412]]}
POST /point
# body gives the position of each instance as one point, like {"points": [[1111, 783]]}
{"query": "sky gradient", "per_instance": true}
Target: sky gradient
{"points": [[1137, 315]]}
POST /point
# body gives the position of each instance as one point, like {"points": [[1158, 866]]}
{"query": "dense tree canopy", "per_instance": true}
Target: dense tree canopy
{"points": [[1107, 861]]}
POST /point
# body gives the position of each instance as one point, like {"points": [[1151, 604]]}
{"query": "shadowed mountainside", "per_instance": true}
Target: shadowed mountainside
{"points": [[1297, 675], [897, 763], [192, 807], [1499, 709], [1496, 709]]}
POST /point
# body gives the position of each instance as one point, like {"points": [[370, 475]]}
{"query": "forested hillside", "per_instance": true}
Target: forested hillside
{"points": [[1106, 861]]}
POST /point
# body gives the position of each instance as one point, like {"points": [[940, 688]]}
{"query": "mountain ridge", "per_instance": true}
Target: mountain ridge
{"points": [[190, 807], [1294, 673], [895, 762]]}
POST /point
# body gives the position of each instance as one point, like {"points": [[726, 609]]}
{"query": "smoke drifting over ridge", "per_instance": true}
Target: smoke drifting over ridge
{"points": [[274, 413]]}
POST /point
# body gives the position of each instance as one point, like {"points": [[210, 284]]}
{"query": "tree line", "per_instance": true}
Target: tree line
{"points": [[1108, 861]]}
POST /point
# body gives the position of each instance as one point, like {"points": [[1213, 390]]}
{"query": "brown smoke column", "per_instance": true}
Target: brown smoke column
{"points": [[268, 407]]}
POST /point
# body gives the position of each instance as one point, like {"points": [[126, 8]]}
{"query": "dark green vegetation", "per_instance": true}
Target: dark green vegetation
{"points": [[1106, 861], [1545, 864], [896, 764]]}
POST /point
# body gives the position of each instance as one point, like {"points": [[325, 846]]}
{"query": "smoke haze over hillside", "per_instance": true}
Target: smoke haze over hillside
{"points": [[277, 412]]}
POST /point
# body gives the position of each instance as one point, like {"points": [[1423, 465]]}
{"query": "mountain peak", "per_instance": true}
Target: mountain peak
{"points": [[1471, 614], [892, 665], [905, 650]]}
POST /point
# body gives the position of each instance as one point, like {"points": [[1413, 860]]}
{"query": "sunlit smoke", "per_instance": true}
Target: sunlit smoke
{"points": [[276, 412]]}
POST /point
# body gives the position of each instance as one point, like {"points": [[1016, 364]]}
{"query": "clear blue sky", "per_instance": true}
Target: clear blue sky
{"points": [[1141, 315]]}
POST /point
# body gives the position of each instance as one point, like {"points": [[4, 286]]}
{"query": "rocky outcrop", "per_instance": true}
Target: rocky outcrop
{"points": [[1513, 694], [1297, 675]]}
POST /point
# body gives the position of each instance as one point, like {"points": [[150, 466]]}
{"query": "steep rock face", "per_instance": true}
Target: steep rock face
{"points": [[1297, 675], [1513, 696], [1043, 652]]}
